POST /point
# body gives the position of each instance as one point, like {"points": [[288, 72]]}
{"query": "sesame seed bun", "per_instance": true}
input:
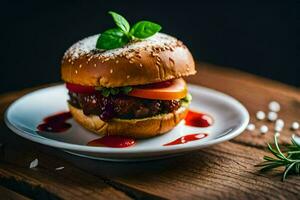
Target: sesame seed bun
{"points": [[155, 59], [135, 128]]}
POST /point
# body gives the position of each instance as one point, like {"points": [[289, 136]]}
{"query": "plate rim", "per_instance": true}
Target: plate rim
{"points": [[127, 151]]}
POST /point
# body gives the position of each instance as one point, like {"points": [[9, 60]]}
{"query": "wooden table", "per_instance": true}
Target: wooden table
{"points": [[223, 171]]}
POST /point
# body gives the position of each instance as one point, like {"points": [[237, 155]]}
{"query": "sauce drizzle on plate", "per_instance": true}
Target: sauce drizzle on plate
{"points": [[187, 138], [56, 123], [198, 119], [112, 141]]}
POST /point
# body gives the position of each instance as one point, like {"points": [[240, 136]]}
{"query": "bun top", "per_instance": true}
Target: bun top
{"points": [[155, 59]]}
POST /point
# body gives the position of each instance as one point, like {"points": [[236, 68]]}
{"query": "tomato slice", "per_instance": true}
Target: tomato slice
{"points": [[80, 88], [167, 90]]}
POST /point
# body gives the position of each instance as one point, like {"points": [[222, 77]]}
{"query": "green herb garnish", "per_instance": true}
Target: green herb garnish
{"points": [[187, 98], [118, 37], [289, 158], [113, 91], [144, 29], [105, 92], [126, 89]]}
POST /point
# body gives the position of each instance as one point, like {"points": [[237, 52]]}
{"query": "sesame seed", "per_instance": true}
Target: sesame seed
{"points": [[76, 72], [171, 61], [80, 65], [141, 65], [127, 76], [117, 61], [111, 71], [95, 65]]}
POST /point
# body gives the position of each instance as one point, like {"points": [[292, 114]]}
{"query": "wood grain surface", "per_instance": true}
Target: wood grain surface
{"points": [[223, 171]]}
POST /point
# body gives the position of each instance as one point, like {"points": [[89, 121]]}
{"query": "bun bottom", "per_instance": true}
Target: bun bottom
{"points": [[135, 128]]}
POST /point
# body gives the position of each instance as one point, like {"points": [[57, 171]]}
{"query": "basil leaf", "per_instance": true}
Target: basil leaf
{"points": [[120, 21], [126, 89], [114, 91], [112, 39], [144, 29], [105, 92]]}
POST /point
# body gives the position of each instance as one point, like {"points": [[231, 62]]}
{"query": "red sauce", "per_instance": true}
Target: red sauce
{"points": [[55, 123], [187, 138], [198, 119], [112, 141]]}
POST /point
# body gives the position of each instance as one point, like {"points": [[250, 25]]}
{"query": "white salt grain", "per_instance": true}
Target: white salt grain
{"points": [[264, 129], [272, 116], [260, 115], [34, 163], [59, 168], [251, 127], [278, 128], [279, 123], [295, 126], [274, 106]]}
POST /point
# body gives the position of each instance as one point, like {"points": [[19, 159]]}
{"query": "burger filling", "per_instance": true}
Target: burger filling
{"points": [[129, 103], [121, 106]]}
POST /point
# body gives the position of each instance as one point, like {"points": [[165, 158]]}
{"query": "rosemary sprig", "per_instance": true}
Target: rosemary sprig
{"points": [[289, 158]]}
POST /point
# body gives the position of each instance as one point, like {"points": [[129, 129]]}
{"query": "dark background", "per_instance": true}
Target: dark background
{"points": [[261, 38]]}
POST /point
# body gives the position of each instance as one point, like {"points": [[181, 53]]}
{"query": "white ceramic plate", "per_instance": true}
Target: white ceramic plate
{"points": [[23, 116]]}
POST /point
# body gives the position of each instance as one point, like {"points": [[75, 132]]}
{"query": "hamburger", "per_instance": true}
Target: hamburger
{"points": [[135, 89]]}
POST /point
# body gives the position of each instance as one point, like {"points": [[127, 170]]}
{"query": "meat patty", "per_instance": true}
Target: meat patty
{"points": [[121, 106]]}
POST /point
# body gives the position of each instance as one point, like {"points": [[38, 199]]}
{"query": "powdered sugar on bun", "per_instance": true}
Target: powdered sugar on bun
{"points": [[155, 59], [87, 46]]}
